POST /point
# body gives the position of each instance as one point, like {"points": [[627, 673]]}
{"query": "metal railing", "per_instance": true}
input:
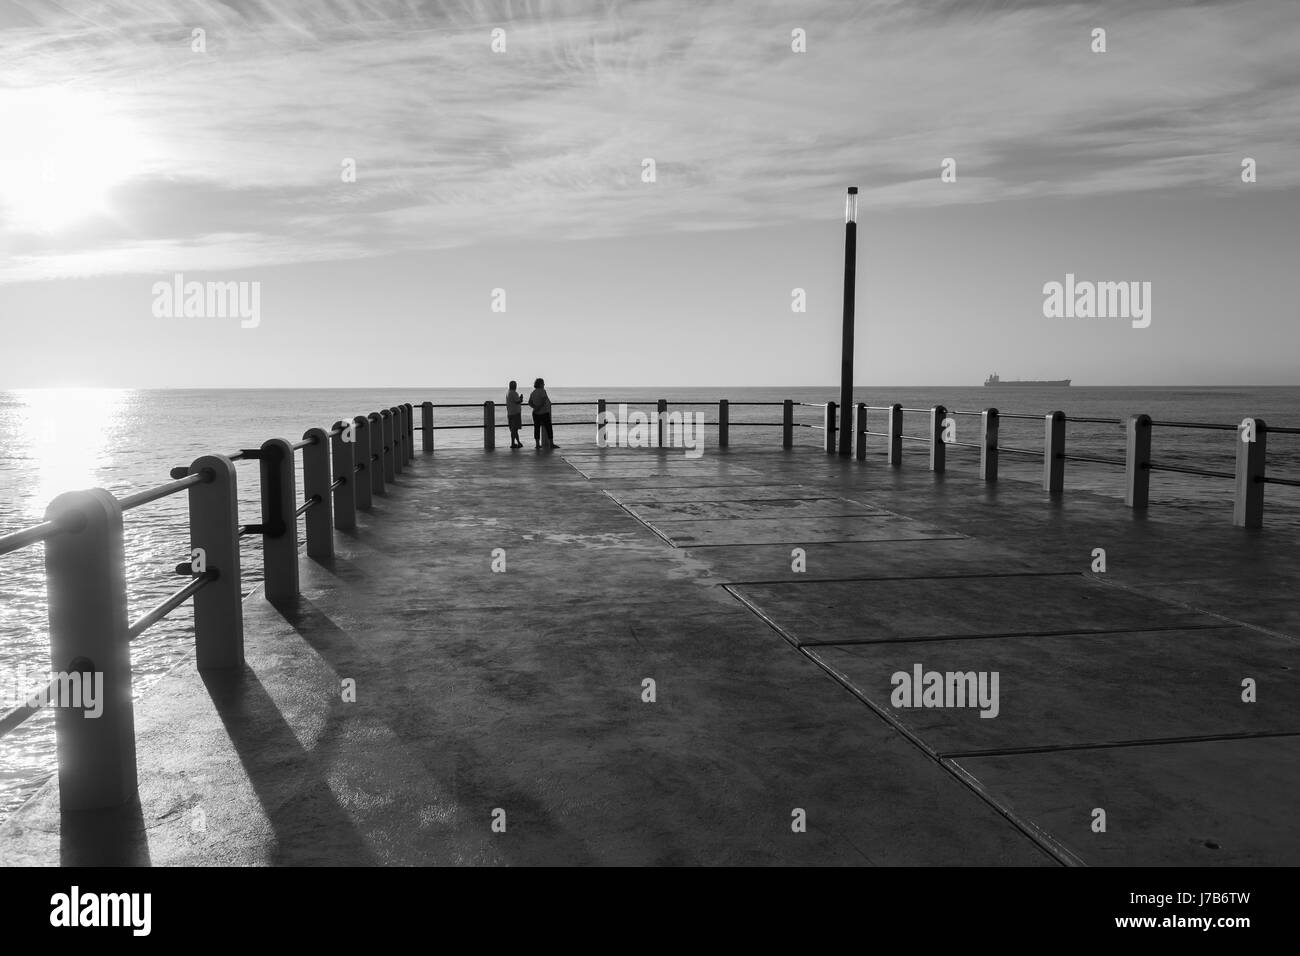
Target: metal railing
{"points": [[662, 421], [1249, 476], [85, 574]]}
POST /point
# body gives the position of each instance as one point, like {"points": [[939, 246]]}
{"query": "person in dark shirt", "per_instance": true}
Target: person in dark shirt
{"points": [[540, 403]]}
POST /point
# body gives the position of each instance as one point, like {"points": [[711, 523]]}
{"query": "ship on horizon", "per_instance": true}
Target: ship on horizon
{"points": [[995, 380]]}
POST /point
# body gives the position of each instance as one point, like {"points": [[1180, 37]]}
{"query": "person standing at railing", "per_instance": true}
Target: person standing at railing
{"points": [[540, 403], [514, 414]]}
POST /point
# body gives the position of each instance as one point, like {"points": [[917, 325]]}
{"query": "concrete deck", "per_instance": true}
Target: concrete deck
{"points": [[522, 690]]}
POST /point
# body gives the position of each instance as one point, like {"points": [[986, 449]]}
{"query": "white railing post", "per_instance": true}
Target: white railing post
{"points": [[318, 520], [279, 521], [1248, 503], [1137, 463], [343, 467], [214, 527], [85, 579]]}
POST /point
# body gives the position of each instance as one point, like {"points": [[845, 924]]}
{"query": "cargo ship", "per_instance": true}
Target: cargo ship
{"points": [[994, 380]]}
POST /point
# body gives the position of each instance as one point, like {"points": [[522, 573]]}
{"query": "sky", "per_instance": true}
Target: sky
{"points": [[134, 149]]}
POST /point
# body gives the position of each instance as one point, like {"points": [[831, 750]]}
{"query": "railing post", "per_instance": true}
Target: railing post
{"points": [[489, 426], [860, 427], [989, 446], [318, 520], [426, 424], [345, 495], [408, 420], [661, 417], [830, 428], [399, 440], [1054, 453], [279, 524], [602, 436], [895, 435], [787, 424], [214, 527], [1137, 467], [1248, 503], [410, 431], [938, 450], [85, 580], [376, 463], [361, 463], [724, 423], [390, 456]]}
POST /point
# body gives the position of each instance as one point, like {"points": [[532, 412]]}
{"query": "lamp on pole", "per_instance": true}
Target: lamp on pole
{"points": [[846, 352]]}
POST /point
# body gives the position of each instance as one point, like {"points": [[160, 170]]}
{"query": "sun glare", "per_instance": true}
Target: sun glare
{"points": [[67, 432], [64, 151]]}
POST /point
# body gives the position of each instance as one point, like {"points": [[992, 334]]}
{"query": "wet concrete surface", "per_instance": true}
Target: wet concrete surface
{"points": [[523, 691]]}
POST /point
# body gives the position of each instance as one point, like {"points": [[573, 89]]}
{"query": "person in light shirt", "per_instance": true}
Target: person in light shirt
{"points": [[514, 414]]}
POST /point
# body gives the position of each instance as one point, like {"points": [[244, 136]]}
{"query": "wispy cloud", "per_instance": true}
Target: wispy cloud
{"points": [[236, 152]]}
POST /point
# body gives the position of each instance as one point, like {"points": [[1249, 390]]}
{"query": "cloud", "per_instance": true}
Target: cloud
{"points": [[238, 150]]}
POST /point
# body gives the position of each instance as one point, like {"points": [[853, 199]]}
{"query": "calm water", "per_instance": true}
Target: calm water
{"points": [[56, 440]]}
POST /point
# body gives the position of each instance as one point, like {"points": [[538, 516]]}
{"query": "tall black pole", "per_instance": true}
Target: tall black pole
{"points": [[846, 353]]}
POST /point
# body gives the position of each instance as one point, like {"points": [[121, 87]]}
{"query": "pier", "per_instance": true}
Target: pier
{"points": [[614, 655]]}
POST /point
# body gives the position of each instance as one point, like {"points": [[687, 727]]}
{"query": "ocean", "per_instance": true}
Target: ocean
{"points": [[127, 440]]}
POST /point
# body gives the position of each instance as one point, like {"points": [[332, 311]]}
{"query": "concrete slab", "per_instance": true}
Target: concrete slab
{"points": [[1194, 804], [796, 532], [841, 612], [868, 560], [772, 509], [689, 493], [680, 467], [1074, 691]]}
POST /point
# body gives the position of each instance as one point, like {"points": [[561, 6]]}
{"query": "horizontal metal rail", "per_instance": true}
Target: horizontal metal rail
{"points": [[162, 491], [307, 505], [1268, 480], [1092, 421], [635, 401], [1216, 427], [1021, 451], [1190, 471], [176, 600], [1101, 461], [34, 702], [32, 535], [1026, 418]]}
